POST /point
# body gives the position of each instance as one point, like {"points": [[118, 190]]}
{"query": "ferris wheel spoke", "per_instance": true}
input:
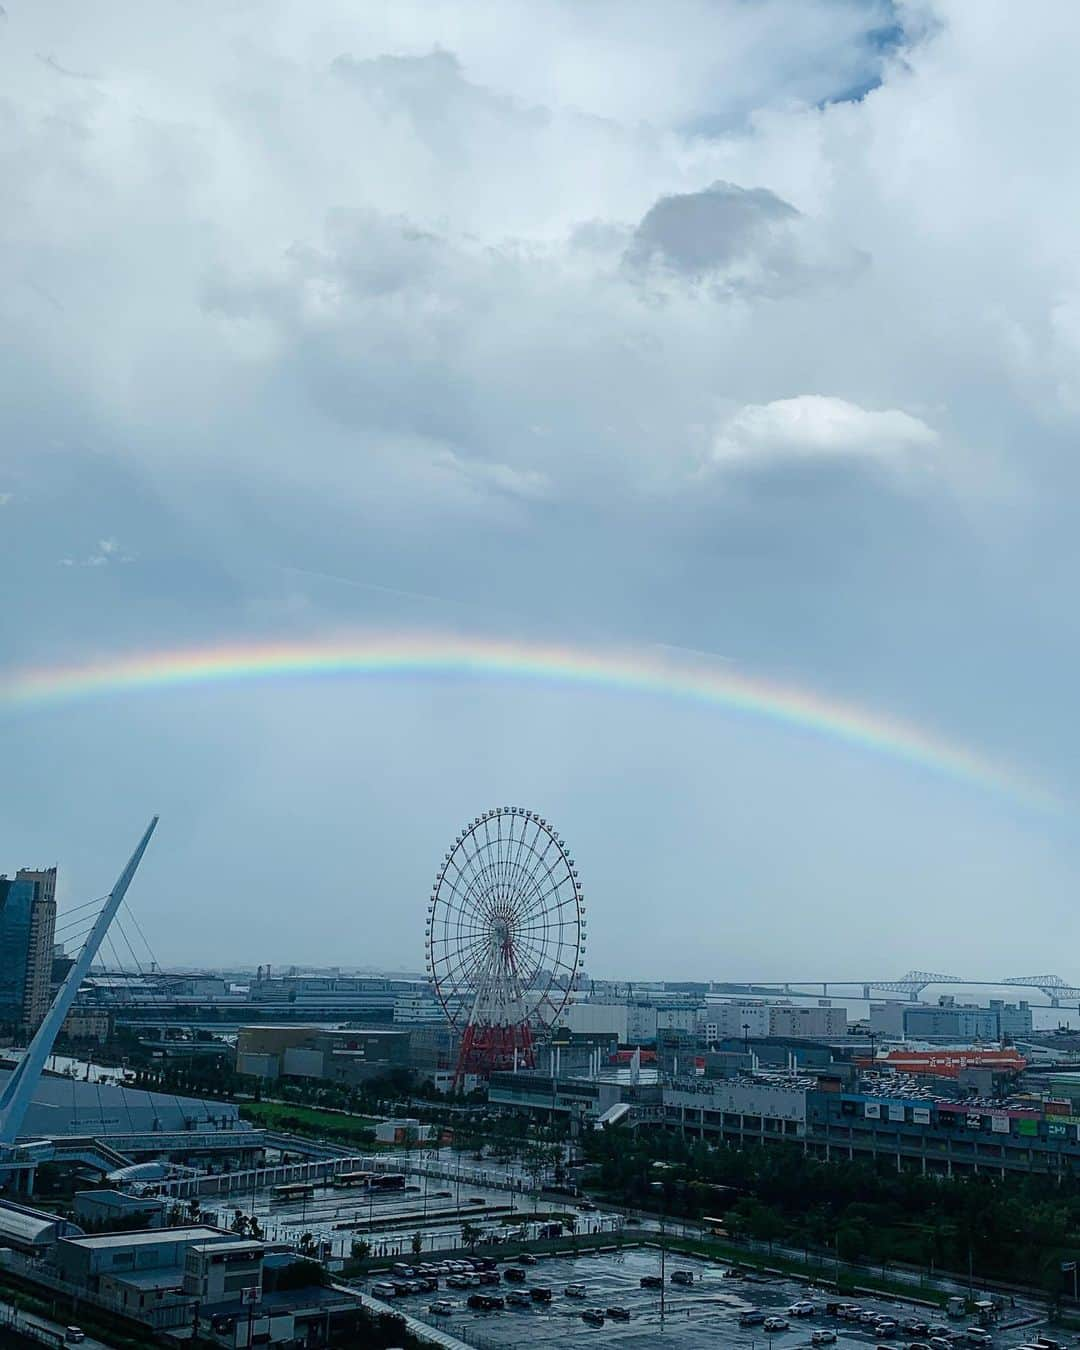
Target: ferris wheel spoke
{"points": [[480, 858], [514, 875], [527, 872]]}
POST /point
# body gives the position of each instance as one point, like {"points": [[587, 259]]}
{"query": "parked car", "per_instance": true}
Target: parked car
{"points": [[752, 1317], [651, 1282], [940, 1343], [775, 1324], [682, 1277], [489, 1277], [803, 1308], [384, 1289], [514, 1275], [442, 1307], [540, 1294], [486, 1302], [618, 1313], [575, 1291], [822, 1337], [527, 1259], [978, 1336], [518, 1298], [74, 1335], [594, 1317]]}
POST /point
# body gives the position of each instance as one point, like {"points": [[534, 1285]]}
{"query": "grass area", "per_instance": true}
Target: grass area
{"points": [[312, 1121]]}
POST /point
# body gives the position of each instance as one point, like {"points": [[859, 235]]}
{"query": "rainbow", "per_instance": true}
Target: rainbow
{"points": [[646, 672]]}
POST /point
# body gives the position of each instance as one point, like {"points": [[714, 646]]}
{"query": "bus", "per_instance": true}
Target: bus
{"points": [[343, 1180], [293, 1190]]}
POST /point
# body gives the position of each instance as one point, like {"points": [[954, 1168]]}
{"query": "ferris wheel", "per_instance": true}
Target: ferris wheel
{"points": [[505, 936]]}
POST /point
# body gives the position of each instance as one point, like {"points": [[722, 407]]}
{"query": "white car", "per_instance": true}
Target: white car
{"points": [[803, 1308], [384, 1290], [775, 1324], [442, 1307], [978, 1336], [822, 1337]]}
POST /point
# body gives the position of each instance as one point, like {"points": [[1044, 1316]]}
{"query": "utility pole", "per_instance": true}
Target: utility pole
{"points": [[659, 1186]]}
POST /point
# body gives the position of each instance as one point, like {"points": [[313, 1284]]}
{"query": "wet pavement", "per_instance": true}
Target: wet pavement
{"points": [[696, 1317]]}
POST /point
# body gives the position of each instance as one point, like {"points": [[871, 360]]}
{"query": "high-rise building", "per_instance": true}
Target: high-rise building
{"points": [[16, 906], [37, 993], [27, 928]]}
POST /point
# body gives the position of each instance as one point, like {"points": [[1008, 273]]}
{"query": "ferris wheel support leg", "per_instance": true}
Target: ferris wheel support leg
{"points": [[486, 1049]]}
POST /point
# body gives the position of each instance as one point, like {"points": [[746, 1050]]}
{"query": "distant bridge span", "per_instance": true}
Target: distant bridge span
{"points": [[1052, 987]]}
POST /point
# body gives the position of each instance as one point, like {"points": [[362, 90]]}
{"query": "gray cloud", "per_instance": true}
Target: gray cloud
{"points": [[690, 354]]}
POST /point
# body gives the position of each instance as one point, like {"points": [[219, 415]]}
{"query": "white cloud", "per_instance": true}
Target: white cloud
{"points": [[815, 427], [106, 553]]}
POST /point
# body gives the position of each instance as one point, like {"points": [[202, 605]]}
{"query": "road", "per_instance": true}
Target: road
{"points": [[22, 1321]]}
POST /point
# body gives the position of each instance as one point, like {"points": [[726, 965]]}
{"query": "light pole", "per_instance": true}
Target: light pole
{"points": [[746, 1039], [658, 1186]]}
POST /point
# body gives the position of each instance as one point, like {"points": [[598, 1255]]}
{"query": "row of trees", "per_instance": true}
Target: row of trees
{"points": [[1013, 1228]]}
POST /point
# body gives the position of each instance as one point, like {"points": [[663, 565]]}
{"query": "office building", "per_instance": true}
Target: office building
{"points": [[27, 928], [757, 1019], [348, 1055], [16, 909], [948, 1020], [37, 993]]}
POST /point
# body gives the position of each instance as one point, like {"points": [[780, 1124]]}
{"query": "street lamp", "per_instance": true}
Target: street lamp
{"points": [[659, 1186], [746, 1039]]}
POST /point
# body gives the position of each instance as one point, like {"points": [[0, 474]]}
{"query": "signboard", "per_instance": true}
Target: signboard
{"points": [[873, 1110], [252, 1294], [999, 1123], [1067, 1267], [920, 1115], [896, 1113], [974, 1120], [1057, 1130], [1027, 1127]]}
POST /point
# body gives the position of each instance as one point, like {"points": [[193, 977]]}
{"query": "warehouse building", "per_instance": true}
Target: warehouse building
{"points": [[348, 1056]]}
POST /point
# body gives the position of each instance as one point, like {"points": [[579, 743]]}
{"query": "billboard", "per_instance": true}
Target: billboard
{"points": [[873, 1110], [920, 1115], [948, 1063], [999, 1123], [896, 1113]]}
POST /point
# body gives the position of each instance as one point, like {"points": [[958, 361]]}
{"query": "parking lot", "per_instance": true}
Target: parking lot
{"points": [[704, 1314]]}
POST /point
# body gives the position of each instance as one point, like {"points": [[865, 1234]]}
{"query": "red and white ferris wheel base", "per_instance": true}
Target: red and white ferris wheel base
{"points": [[487, 1049]]}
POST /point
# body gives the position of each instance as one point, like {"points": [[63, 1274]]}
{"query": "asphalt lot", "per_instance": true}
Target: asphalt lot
{"points": [[389, 1219], [698, 1317]]}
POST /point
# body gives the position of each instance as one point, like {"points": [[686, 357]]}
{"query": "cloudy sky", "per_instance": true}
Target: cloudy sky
{"points": [[745, 330]]}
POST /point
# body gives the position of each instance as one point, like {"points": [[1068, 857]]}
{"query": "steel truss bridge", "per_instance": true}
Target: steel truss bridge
{"points": [[912, 985]]}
